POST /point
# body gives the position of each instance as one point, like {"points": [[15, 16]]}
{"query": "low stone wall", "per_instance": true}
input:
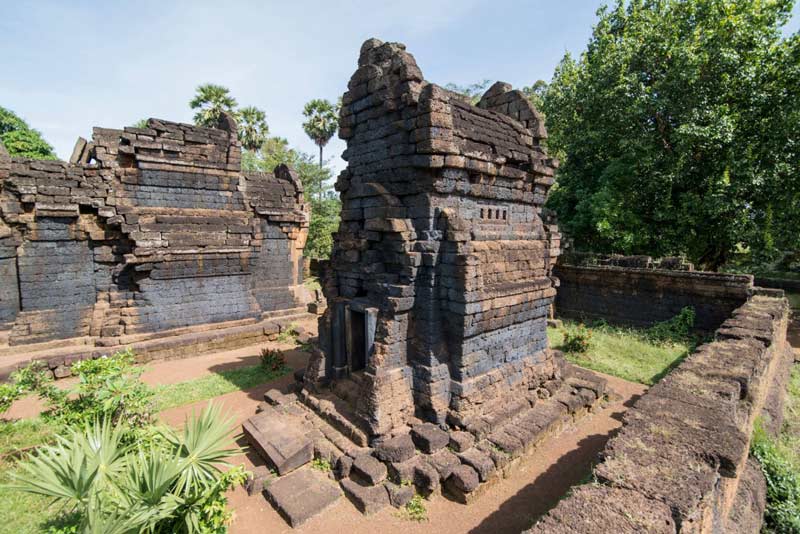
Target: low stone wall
{"points": [[680, 462], [641, 296]]}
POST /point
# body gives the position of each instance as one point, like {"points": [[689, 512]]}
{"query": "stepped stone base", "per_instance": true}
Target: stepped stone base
{"points": [[423, 458]]}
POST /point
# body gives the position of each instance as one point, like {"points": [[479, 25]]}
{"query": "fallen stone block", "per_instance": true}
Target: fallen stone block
{"points": [[278, 441], [368, 470], [429, 438], [368, 499], [397, 449], [461, 441], [302, 495]]}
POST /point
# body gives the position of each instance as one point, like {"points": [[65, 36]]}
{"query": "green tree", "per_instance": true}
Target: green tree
{"points": [[253, 129], [20, 139], [211, 101], [316, 180], [322, 120], [676, 128], [536, 92]]}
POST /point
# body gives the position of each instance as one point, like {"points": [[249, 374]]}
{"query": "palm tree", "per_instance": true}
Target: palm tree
{"points": [[210, 101], [253, 128], [322, 122]]}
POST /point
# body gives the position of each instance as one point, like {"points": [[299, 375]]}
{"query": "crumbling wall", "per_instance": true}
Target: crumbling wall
{"points": [[639, 292], [146, 230], [441, 247], [680, 462]]}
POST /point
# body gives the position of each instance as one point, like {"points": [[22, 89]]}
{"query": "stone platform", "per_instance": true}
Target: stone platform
{"points": [[290, 430], [173, 344]]}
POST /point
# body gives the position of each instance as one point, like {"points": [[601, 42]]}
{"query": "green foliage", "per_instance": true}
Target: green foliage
{"points": [[272, 360], [473, 92], [677, 329], [108, 388], [253, 129], [536, 92], [624, 352], [321, 464], [214, 385], [288, 334], [325, 208], [322, 121], [578, 339], [141, 123], [783, 484], [8, 394], [678, 132], [211, 101], [20, 139], [174, 485], [415, 509]]}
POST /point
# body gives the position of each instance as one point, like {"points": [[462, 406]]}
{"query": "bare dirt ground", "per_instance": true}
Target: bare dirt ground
{"points": [[510, 505]]}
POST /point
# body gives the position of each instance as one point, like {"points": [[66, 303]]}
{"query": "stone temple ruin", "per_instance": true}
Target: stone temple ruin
{"points": [[433, 356], [146, 230]]}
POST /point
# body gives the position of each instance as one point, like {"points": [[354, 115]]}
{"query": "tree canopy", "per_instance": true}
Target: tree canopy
{"points": [[211, 101], [678, 128], [316, 180], [322, 121], [253, 129], [21, 140]]}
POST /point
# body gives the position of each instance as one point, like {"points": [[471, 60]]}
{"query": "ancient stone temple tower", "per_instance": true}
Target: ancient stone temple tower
{"points": [[440, 281]]}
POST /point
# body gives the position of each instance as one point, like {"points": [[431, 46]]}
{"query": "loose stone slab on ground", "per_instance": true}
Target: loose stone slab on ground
{"points": [[278, 441], [301, 495]]}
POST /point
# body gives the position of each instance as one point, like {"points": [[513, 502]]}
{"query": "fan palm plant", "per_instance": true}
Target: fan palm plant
{"points": [[211, 101], [322, 120], [253, 129], [174, 484]]}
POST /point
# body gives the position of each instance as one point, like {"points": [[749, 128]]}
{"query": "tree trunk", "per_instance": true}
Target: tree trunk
{"points": [[319, 193]]}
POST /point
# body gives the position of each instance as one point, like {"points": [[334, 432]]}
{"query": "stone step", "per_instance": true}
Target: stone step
{"points": [[278, 437], [302, 495], [337, 413]]}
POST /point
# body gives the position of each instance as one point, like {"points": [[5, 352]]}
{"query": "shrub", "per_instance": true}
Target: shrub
{"points": [[108, 388], [272, 360], [415, 509], [577, 339], [8, 394], [677, 329], [783, 484], [174, 485]]}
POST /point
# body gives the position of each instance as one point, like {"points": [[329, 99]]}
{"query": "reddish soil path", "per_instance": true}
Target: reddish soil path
{"points": [[511, 505]]}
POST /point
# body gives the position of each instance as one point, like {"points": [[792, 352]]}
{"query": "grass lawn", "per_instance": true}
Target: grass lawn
{"points": [[214, 385], [789, 438], [624, 352]]}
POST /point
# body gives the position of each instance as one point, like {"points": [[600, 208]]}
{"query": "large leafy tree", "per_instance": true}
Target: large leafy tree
{"points": [[211, 101], [20, 139], [473, 91], [322, 120], [253, 129], [677, 129]]}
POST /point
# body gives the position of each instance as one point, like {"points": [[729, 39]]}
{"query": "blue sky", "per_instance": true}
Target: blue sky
{"points": [[68, 66]]}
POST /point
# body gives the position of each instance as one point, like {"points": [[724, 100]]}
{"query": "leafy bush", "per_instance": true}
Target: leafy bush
{"points": [[679, 328], [577, 339], [783, 484], [272, 360], [175, 484], [108, 388], [415, 509]]}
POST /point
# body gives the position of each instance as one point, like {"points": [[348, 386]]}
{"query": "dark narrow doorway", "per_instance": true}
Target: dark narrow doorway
{"points": [[358, 346]]}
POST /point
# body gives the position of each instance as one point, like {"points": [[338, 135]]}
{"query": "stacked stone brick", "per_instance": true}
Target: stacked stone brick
{"points": [[441, 246], [146, 230], [680, 462]]}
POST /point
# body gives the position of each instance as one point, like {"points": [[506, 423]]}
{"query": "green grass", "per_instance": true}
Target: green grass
{"points": [[624, 352], [214, 385], [312, 283], [789, 438], [794, 300]]}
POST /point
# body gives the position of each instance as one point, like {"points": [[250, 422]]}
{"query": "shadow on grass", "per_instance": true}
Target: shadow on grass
{"points": [[246, 373]]}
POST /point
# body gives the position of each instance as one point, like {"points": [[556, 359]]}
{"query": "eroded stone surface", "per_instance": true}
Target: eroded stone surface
{"points": [[368, 469], [301, 495], [278, 440], [368, 499]]}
